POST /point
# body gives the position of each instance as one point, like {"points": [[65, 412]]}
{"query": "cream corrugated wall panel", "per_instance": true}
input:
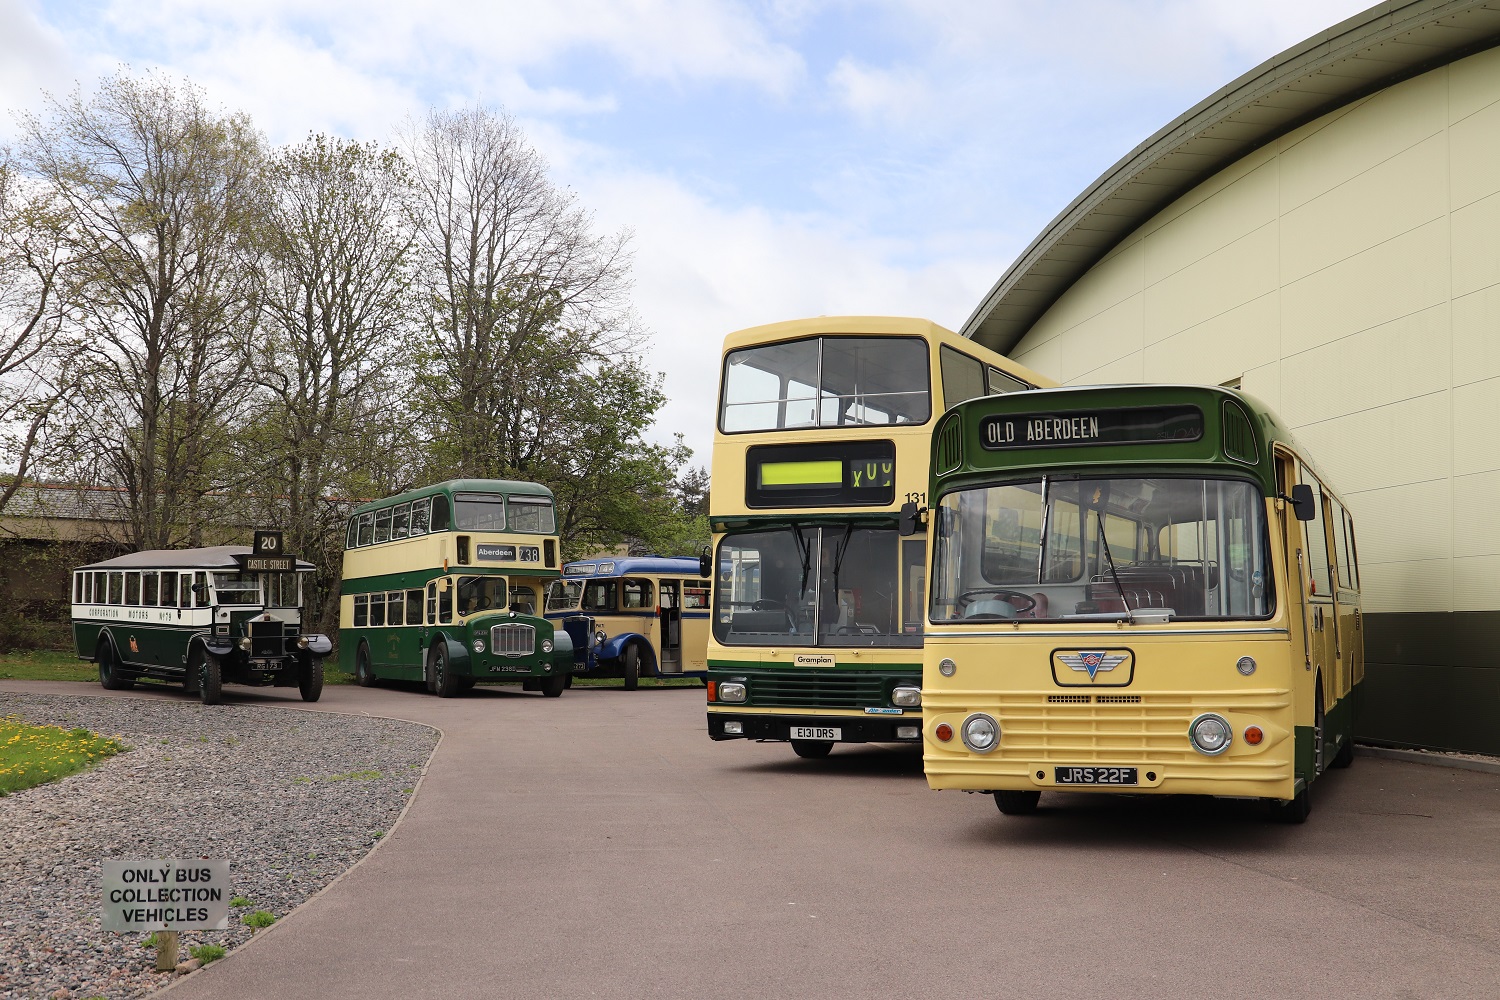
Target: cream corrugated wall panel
{"points": [[1389, 199], [1371, 133], [1475, 146], [1045, 356], [1107, 337], [1219, 349], [1476, 251], [1396, 278], [1476, 429], [1476, 583], [1239, 209], [1424, 585], [1385, 525], [1109, 283], [1375, 448], [1367, 376], [1239, 273], [1473, 83], [1264, 383], [1210, 189], [1476, 336], [1130, 368], [1476, 515]]}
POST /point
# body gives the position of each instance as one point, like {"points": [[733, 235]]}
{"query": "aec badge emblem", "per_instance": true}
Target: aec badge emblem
{"points": [[1095, 663]]}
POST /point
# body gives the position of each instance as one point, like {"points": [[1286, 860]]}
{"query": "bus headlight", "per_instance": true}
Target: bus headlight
{"points": [[599, 637], [478, 645], [301, 642], [732, 691], [546, 645], [245, 643], [980, 733], [906, 697], [1210, 734]]}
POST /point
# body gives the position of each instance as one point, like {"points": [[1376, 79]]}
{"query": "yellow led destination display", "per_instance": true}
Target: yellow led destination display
{"points": [[824, 473]]}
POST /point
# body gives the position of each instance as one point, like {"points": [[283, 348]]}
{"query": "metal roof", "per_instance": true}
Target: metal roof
{"points": [[627, 565], [212, 557], [1388, 43]]}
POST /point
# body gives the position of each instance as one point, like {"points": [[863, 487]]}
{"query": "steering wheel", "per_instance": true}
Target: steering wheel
{"points": [[1021, 602]]}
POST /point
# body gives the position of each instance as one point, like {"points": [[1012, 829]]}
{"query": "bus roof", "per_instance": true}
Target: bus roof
{"points": [[212, 557], [895, 326], [1216, 444], [632, 565], [509, 487]]}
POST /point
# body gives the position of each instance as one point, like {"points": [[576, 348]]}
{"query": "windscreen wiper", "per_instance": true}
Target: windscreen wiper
{"points": [[804, 549], [1104, 544], [838, 559]]}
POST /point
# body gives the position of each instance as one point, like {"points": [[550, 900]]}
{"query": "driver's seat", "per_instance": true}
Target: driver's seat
{"points": [[991, 606]]}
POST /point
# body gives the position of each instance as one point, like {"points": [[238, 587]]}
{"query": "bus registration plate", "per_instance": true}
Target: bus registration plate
{"points": [[817, 733], [1096, 776]]}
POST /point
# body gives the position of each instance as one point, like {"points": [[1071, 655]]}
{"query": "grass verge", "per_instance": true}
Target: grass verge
{"points": [[34, 755]]}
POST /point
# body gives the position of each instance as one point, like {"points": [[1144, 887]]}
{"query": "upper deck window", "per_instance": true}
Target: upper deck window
{"points": [[826, 382], [479, 512], [532, 515]]}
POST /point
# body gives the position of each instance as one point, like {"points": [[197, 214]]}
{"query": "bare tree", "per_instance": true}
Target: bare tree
{"points": [[516, 280], [157, 191], [36, 370], [335, 342]]}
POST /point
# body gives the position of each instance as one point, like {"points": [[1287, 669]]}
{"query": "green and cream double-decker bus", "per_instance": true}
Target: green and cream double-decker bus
{"points": [[199, 617], [442, 585], [1144, 589]]}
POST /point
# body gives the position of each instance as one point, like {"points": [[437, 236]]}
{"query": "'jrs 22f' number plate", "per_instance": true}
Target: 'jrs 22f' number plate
{"points": [[817, 733], [1096, 776]]}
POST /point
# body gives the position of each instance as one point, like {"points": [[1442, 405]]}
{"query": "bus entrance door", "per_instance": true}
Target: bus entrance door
{"points": [[669, 613]]}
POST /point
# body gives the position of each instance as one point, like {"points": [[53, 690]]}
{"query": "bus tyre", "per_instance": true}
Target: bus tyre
{"points": [[1017, 803], [1294, 811], [443, 682], [310, 684], [1345, 756], [812, 749], [630, 665], [211, 681], [553, 687], [364, 673], [109, 668], [1320, 727]]}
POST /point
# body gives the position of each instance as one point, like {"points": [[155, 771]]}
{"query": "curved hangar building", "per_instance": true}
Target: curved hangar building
{"points": [[1324, 233]]}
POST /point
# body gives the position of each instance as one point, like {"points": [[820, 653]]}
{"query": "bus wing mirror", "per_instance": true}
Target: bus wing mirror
{"points": [[706, 563], [912, 518], [1303, 503], [200, 589]]}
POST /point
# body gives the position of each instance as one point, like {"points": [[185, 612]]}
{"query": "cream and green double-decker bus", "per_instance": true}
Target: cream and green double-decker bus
{"points": [[823, 433], [443, 585], [1143, 589]]}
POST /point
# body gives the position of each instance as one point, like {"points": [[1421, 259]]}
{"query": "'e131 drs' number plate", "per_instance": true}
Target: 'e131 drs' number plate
{"points": [[1096, 776]]}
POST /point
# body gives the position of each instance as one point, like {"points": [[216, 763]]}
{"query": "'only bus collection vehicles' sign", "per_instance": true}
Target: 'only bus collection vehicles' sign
{"points": [[166, 894]]}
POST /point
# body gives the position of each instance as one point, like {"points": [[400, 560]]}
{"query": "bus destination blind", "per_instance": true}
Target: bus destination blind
{"points": [[825, 474], [1135, 425]]}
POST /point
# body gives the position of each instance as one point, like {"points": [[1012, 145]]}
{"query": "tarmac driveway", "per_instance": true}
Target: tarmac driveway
{"points": [[599, 845]]}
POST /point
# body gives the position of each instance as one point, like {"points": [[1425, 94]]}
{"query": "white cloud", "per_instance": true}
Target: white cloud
{"points": [[888, 96], [33, 59]]}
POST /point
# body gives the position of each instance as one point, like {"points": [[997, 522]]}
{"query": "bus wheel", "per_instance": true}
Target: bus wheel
{"points": [[444, 683], [211, 681], [1320, 748], [1017, 803], [630, 665], [553, 687], [364, 674], [109, 668], [1294, 811], [310, 684], [1345, 756], [812, 749]]}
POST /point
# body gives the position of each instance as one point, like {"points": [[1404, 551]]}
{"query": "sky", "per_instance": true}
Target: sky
{"points": [[770, 160]]}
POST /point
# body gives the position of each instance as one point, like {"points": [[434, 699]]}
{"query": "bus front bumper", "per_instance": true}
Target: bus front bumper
{"points": [[905, 728]]}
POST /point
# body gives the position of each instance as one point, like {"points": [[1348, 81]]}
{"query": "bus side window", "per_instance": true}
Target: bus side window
{"points": [[78, 588], [399, 521], [1353, 550], [366, 528], [150, 589], [169, 589], [432, 602], [352, 533], [132, 590], [1340, 545], [635, 593], [382, 526], [361, 610], [200, 590], [963, 376], [1000, 382], [101, 588], [413, 607], [1316, 537], [439, 513], [421, 514], [445, 604]]}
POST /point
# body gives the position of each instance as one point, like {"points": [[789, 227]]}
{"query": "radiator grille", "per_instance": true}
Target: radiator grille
{"points": [[266, 638], [512, 639], [1113, 726], [816, 689], [1069, 699]]}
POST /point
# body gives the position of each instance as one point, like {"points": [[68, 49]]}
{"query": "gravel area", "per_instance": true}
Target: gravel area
{"points": [[293, 799]]}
